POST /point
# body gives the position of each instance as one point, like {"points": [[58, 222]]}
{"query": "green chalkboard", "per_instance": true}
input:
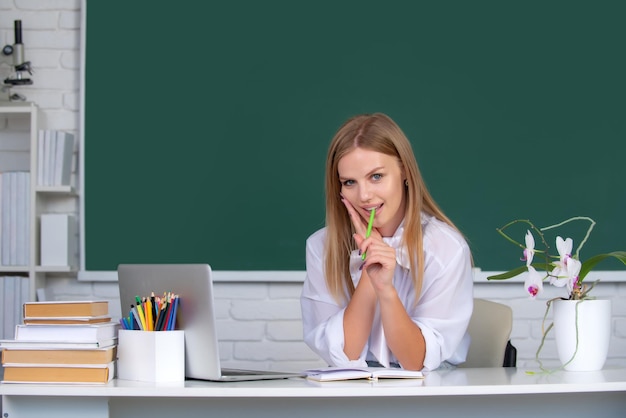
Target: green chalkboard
{"points": [[207, 123]]}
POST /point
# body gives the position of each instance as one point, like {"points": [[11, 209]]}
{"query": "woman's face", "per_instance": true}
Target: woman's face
{"points": [[370, 179]]}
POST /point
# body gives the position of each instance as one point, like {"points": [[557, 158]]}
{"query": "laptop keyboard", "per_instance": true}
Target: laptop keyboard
{"points": [[240, 372]]}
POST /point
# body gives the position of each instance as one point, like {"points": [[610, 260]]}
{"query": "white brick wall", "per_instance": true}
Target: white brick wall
{"points": [[259, 323]]}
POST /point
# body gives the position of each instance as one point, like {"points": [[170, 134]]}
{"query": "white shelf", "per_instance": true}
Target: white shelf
{"points": [[56, 269], [14, 269], [39, 197], [62, 190], [29, 110], [17, 107]]}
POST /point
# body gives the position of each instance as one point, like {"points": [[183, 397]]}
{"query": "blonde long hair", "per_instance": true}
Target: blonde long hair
{"points": [[376, 132]]}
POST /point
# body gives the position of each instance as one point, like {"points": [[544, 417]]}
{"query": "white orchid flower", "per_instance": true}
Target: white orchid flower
{"points": [[573, 269], [534, 282], [567, 276], [566, 270], [564, 247], [529, 251]]}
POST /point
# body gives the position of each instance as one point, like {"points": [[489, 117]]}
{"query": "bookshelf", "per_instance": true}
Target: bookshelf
{"points": [[40, 198]]}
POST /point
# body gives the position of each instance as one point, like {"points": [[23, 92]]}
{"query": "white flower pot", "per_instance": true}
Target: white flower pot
{"points": [[594, 333]]}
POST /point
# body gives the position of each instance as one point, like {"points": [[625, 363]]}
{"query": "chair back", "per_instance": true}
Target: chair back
{"points": [[490, 330]]}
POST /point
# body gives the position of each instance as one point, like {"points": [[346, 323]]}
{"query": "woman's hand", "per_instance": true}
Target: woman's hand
{"points": [[360, 224], [380, 260]]}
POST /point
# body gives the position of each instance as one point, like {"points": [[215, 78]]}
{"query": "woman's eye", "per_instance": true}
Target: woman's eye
{"points": [[348, 182], [377, 176]]}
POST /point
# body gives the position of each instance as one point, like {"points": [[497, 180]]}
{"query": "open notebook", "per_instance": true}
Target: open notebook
{"points": [[194, 285]]}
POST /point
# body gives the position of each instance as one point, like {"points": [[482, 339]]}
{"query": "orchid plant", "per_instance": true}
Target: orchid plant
{"points": [[565, 270]]}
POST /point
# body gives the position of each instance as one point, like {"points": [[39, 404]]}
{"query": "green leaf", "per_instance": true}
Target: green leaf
{"points": [[520, 270], [590, 263], [508, 274]]}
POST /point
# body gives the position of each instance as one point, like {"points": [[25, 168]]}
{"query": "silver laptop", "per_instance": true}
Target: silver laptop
{"points": [[194, 285]]}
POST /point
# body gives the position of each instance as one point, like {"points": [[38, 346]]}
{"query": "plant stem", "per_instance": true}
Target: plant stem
{"points": [[592, 223]]}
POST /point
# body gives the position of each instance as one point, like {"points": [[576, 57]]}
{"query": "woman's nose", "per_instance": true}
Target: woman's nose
{"points": [[365, 193]]}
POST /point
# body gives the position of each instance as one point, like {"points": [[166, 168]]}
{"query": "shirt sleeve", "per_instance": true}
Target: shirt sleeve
{"points": [[446, 301], [322, 316]]}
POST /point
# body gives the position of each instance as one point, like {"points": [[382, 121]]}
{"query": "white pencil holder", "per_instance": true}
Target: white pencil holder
{"points": [[151, 356]]}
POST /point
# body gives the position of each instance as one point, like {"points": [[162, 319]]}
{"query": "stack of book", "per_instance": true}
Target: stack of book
{"points": [[62, 342]]}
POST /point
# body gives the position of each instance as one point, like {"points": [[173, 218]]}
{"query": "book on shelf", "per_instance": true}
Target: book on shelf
{"points": [[58, 373], [47, 138], [13, 217], [2, 226], [3, 302], [46, 355], [6, 217], [22, 204], [63, 159], [58, 239], [54, 162], [57, 345], [66, 308], [40, 156], [64, 320], [14, 291], [328, 374], [46, 157], [15, 209], [66, 332], [7, 312]]}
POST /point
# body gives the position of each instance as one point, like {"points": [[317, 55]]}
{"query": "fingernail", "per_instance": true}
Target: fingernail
{"points": [[359, 251], [361, 266]]}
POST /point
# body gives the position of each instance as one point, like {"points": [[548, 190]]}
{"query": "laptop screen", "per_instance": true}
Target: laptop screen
{"points": [[193, 284]]}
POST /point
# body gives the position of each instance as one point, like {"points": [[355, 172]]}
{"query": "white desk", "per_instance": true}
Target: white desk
{"points": [[480, 393]]}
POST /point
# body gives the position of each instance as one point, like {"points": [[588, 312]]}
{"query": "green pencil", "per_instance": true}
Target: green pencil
{"points": [[369, 227]]}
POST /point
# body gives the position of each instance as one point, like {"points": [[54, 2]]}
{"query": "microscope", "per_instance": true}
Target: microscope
{"points": [[13, 55]]}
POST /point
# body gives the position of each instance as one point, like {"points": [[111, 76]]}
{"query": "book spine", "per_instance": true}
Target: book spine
{"points": [[4, 203], [9, 308], [66, 333], [46, 158], [52, 158], [3, 302], [40, 156], [25, 297], [21, 216], [13, 219]]}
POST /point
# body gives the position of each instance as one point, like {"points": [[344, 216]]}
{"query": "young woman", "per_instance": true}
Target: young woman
{"points": [[402, 296]]}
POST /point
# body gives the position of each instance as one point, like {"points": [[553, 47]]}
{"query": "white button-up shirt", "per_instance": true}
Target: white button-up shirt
{"points": [[442, 312]]}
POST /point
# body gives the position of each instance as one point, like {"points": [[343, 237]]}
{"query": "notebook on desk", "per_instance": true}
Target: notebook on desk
{"points": [[194, 284]]}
